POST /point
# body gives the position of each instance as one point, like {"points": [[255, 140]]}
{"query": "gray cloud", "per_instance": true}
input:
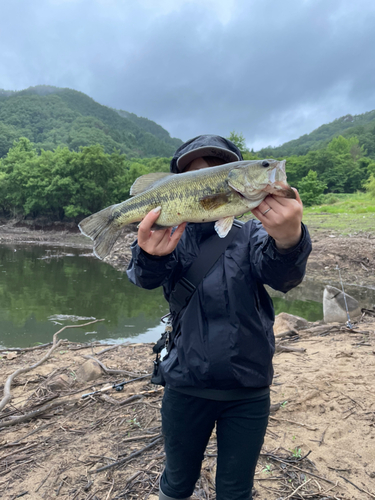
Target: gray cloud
{"points": [[271, 70]]}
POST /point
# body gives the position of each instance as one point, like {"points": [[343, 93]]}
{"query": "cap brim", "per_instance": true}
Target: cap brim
{"points": [[222, 153]]}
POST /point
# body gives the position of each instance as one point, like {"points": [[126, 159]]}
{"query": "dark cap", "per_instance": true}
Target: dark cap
{"points": [[204, 145]]}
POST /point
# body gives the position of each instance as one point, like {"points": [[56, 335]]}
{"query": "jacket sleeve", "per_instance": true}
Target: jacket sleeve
{"points": [[149, 271], [281, 270]]}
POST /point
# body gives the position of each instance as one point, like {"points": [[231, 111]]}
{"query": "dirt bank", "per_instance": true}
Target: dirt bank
{"points": [[319, 444], [354, 254]]}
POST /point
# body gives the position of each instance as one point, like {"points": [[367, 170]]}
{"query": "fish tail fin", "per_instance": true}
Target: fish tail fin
{"points": [[100, 228]]}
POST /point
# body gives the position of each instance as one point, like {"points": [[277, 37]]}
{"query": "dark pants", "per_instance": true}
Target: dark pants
{"points": [[187, 425]]}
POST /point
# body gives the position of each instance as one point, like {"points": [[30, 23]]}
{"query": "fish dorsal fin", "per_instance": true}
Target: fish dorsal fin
{"points": [[213, 201], [147, 181]]}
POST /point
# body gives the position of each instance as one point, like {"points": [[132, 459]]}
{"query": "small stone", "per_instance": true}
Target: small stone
{"points": [[90, 370], [11, 355], [285, 322], [59, 383]]}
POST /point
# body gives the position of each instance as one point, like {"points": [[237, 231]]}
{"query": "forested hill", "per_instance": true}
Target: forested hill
{"points": [[52, 117], [362, 126]]}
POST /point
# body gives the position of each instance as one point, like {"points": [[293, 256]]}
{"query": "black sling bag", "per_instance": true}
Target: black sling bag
{"points": [[210, 251]]}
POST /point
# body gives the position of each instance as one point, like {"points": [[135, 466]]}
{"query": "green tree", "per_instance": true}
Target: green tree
{"points": [[16, 169], [296, 168], [91, 171], [370, 185], [239, 141], [311, 189]]}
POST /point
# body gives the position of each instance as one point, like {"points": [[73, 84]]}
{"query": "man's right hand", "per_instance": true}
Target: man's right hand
{"points": [[159, 242]]}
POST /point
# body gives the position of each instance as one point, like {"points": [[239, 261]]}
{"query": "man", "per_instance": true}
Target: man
{"points": [[220, 368]]}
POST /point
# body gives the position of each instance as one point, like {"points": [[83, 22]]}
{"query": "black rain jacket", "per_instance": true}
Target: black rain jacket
{"points": [[227, 339]]}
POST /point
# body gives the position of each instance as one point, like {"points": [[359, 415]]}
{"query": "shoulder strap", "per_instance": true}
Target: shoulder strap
{"points": [[210, 251]]}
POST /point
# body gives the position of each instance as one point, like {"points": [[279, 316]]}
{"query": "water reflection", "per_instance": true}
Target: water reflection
{"points": [[45, 288], [38, 283]]}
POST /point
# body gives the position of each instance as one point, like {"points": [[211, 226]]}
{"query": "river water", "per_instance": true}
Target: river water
{"points": [[45, 288]]}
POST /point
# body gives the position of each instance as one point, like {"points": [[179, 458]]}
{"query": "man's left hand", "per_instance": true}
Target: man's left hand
{"points": [[281, 218]]}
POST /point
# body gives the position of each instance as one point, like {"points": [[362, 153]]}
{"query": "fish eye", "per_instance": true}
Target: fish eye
{"points": [[265, 163]]}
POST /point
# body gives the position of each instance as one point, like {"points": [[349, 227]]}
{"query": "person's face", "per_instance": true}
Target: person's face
{"points": [[203, 162], [196, 164]]}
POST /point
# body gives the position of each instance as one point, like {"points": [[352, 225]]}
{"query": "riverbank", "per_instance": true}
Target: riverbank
{"points": [[54, 443], [353, 251]]}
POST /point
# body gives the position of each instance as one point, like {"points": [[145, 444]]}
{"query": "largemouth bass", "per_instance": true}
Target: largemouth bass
{"points": [[211, 194]]}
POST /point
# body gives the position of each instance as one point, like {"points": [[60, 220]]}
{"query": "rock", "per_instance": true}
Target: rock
{"points": [[285, 322], [90, 370], [10, 355], [334, 309], [58, 383]]}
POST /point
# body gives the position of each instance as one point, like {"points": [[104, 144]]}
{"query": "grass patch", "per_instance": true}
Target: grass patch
{"points": [[345, 213], [356, 203]]}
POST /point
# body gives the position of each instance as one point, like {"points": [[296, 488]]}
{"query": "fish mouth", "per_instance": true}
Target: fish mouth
{"points": [[277, 174], [239, 193]]}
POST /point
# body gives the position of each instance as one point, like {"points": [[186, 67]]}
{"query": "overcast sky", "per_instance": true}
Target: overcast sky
{"points": [[272, 70]]}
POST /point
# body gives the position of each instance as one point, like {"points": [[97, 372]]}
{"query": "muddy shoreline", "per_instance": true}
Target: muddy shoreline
{"points": [[354, 254]]}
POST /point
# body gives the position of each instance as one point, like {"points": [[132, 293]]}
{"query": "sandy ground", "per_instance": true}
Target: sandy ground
{"points": [[320, 440], [319, 444]]}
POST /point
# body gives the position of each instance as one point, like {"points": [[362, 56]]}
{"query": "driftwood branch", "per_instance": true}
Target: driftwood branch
{"points": [[287, 333], [293, 422], [36, 413], [129, 457], [26, 349], [355, 486], [110, 371], [284, 348], [274, 457], [72, 400], [8, 384]]}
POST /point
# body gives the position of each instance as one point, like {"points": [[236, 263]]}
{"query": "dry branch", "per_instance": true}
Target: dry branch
{"points": [[129, 457], [284, 348], [138, 438], [295, 423], [299, 487], [110, 371], [278, 459], [7, 387], [287, 333], [36, 413], [355, 486]]}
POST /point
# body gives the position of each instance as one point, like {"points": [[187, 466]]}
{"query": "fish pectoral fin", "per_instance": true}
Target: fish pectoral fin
{"points": [[213, 201], [147, 181], [223, 226]]}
